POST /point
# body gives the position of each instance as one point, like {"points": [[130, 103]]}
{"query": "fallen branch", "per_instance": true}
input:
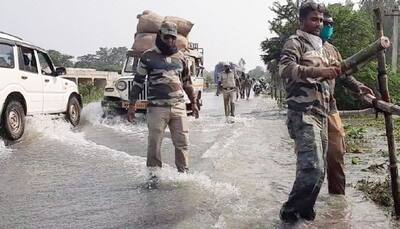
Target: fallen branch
{"points": [[381, 105]]}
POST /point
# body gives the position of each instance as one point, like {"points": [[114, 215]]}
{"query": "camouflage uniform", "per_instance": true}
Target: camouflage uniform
{"points": [[167, 78], [336, 142], [308, 106], [228, 85]]}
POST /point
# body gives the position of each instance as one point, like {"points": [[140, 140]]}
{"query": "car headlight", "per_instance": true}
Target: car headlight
{"points": [[121, 85]]}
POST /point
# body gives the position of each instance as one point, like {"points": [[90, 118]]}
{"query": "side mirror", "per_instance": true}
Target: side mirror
{"points": [[61, 71]]}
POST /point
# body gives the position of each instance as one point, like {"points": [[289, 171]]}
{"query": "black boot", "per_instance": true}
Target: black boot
{"points": [[308, 215], [288, 216]]}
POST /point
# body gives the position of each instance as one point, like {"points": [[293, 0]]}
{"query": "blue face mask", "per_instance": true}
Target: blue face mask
{"points": [[326, 32]]}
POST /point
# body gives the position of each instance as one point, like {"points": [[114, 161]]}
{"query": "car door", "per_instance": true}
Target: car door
{"points": [[53, 87], [30, 79]]}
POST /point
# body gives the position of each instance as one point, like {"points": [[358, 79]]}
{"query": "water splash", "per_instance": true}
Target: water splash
{"points": [[62, 131], [5, 152], [220, 190], [54, 128], [220, 223], [93, 113]]}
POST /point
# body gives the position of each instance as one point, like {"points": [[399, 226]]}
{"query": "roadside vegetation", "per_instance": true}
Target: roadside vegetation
{"points": [[366, 140], [90, 93], [354, 29], [105, 59]]}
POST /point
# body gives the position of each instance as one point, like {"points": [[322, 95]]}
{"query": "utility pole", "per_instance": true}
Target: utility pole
{"points": [[395, 13], [383, 88]]}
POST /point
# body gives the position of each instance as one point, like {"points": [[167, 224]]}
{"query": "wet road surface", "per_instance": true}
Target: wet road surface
{"points": [[94, 176]]}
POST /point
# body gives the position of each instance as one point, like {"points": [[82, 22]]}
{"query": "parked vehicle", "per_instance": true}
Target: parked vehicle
{"points": [[116, 93], [30, 85]]}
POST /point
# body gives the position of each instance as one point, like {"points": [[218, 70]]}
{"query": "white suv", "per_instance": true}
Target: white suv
{"points": [[29, 85]]}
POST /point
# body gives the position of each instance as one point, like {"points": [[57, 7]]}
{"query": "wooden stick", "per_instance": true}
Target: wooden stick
{"points": [[381, 105], [383, 87]]}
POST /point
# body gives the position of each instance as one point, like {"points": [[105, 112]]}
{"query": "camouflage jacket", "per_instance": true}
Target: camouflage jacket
{"points": [[167, 78], [349, 81], [299, 53]]}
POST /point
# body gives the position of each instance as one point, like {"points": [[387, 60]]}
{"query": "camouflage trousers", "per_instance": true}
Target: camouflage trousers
{"points": [[229, 102], [310, 136], [158, 118]]}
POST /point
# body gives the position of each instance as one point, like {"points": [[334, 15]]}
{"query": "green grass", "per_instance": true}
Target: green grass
{"points": [[90, 93], [378, 190], [355, 139]]}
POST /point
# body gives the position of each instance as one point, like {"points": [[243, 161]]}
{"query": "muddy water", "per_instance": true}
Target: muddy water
{"points": [[94, 176]]}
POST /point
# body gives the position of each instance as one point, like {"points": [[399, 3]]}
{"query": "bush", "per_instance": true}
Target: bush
{"points": [[369, 76], [90, 93], [394, 87]]}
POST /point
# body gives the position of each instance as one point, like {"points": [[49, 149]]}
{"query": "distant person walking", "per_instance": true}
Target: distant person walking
{"points": [[228, 86], [248, 83]]}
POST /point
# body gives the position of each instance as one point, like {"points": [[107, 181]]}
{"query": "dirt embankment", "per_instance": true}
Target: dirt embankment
{"points": [[368, 159]]}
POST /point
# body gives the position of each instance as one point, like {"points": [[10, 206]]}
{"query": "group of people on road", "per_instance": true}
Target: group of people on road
{"points": [[309, 64], [245, 84]]}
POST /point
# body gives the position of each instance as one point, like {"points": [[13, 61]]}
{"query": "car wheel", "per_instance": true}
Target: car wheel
{"points": [[14, 120], [73, 114]]}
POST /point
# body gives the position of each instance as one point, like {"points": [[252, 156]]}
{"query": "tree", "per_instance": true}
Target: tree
{"points": [[105, 59], [257, 73], [208, 78], [283, 25], [87, 61], [60, 59], [353, 30]]}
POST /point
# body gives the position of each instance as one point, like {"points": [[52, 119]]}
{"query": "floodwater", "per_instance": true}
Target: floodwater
{"points": [[95, 176]]}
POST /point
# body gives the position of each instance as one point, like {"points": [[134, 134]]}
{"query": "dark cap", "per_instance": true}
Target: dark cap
{"points": [[169, 28]]}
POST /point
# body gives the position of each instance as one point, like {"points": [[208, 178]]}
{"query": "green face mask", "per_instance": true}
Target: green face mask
{"points": [[326, 32]]}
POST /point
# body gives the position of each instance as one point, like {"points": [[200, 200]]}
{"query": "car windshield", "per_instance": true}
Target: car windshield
{"points": [[130, 63]]}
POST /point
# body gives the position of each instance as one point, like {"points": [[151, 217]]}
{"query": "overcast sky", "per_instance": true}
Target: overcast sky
{"points": [[226, 29]]}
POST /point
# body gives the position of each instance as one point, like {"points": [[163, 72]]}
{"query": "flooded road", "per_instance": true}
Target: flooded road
{"points": [[95, 176]]}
